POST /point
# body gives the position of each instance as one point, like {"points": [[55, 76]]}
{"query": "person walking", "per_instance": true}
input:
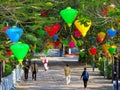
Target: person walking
{"points": [[85, 77], [34, 70], [26, 68], [45, 62], [67, 74]]}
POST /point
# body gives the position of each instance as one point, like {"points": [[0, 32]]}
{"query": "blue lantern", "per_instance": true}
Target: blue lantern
{"points": [[111, 32], [14, 33], [55, 37]]}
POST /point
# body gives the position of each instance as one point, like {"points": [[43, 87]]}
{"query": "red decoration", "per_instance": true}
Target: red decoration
{"points": [[93, 50], [77, 33], [44, 14], [5, 28], [57, 43], [9, 52], [52, 30]]}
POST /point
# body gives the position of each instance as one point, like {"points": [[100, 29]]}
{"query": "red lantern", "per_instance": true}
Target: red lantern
{"points": [[44, 14], [5, 28], [52, 30], [9, 52], [93, 50], [57, 43]]}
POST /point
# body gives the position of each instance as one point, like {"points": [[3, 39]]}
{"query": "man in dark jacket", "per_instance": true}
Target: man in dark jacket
{"points": [[26, 68], [85, 77]]}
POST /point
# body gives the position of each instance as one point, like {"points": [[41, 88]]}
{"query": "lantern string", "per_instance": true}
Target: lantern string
{"points": [[7, 24], [60, 30], [16, 22]]}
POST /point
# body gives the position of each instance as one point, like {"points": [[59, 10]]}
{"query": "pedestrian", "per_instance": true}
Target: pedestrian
{"points": [[61, 50], [26, 68], [85, 77], [67, 74], [45, 62], [34, 70]]}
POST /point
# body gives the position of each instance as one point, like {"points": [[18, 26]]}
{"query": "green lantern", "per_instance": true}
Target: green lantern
{"points": [[69, 15], [20, 50], [112, 50], [82, 54], [41, 32], [79, 42], [65, 42]]}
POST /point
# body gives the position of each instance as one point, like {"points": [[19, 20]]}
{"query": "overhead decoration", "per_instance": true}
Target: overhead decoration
{"points": [[82, 28], [65, 42], [82, 53], [68, 15], [105, 48], [44, 13], [14, 33], [5, 28], [112, 32], [9, 52], [57, 43], [20, 50], [93, 51], [77, 33], [108, 9], [101, 36], [79, 42], [52, 30], [112, 49], [71, 44], [41, 32], [55, 37]]}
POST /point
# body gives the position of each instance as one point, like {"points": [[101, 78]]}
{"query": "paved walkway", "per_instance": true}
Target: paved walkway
{"points": [[54, 78]]}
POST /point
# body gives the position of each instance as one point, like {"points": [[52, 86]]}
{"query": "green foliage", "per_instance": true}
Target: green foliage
{"points": [[109, 71], [100, 66], [8, 70]]}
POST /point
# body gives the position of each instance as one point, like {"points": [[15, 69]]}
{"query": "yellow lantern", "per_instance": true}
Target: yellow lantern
{"points": [[82, 28]]}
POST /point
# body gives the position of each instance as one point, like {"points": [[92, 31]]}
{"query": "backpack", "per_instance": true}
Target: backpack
{"points": [[85, 76]]}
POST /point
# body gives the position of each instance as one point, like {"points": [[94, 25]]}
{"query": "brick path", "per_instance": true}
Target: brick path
{"points": [[54, 79]]}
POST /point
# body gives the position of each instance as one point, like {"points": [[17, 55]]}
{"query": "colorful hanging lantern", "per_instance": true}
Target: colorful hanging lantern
{"points": [[77, 33], [5, 28], [112, 32], [44, 13], [69, 15], [55, 37], [71, 44], [112, 49], [14, 33], [79, 42], [65, 42], [109, 8], [52, 30], [20, 50], [41, 32], [93, 50], [101, 36], [82, 54], [82, 28], [57, 43]]}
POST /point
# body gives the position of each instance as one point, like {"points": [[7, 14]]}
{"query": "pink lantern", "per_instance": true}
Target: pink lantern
{"points": [[77, 33], [71, 44]]}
